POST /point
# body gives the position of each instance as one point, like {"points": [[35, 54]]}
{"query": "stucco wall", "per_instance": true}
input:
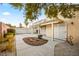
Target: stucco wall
{"points": [[73, 28], [49, 30], [43, 30], [3, 28]]}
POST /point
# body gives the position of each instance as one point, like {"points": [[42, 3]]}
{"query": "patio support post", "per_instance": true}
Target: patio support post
{"points": [[53, 31], [67, 30], [38, 29]]}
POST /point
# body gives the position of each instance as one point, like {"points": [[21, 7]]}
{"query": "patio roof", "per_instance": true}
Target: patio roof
{"points": [[46, 22], [54, 21]]}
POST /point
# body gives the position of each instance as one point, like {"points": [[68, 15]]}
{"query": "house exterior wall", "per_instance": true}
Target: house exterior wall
{"points": [[73, 28], [43, 30], [49, 30], [55, 31]]}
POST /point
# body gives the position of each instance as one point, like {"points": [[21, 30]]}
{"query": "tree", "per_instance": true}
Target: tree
{"points": [[33, 10]]}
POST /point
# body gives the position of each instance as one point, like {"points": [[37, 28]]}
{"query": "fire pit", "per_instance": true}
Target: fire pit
{"points": [[35, 41]]}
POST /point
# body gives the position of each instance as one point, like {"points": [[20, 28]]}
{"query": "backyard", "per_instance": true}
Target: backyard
{"points": [[15, 45], [51, 48], [24, 49], [38, 29]]}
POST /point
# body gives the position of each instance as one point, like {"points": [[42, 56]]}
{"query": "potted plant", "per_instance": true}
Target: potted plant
{"points": [[40, 36]]}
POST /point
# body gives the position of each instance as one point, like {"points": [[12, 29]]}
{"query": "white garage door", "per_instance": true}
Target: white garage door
{"points": [[60, 31]]}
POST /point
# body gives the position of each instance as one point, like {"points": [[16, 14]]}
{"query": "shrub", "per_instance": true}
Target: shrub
{"points": [[5, 35], [0, 36], [8, 34], [11, 31]]}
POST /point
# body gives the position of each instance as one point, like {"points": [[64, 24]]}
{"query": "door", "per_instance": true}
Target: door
{"points": [[60, 31]]}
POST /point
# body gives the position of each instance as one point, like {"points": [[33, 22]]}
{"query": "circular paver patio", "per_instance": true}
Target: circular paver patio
{"points": [[34, 41]]}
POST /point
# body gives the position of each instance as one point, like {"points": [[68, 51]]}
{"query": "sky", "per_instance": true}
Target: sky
{"points": [[13, 16]]}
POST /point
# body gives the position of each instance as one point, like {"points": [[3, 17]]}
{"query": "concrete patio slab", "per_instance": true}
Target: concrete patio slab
{"points": [[65, 49], [24, 49]]}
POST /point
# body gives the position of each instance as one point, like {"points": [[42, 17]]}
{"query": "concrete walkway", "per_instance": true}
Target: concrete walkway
{"points": [[24, 49], [65, 49]]}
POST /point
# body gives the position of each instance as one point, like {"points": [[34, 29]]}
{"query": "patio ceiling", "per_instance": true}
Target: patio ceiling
{"points": [[51, 22], [47, 22]]}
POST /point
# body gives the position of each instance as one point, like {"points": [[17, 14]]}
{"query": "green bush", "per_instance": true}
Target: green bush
{"points": [[5, 35], [8, 34], [11, 31]]}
